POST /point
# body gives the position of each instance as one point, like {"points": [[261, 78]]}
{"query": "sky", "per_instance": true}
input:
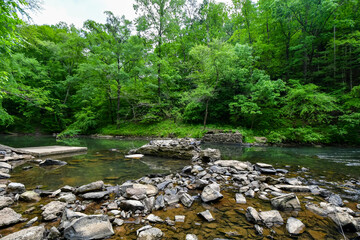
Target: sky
{"points": [[78, 11]]}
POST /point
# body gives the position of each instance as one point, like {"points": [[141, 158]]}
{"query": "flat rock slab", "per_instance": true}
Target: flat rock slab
{"points": [[32, 233], [52, 150]]}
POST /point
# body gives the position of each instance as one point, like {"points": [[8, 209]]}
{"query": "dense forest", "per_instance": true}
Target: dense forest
{"points": [[285, 69]]}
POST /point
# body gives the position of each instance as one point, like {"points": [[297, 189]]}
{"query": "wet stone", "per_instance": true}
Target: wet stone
{"points": [[288, 202], [154, 219], [269, 218], [52, 210], [191, 237], [32, 233], [211, 193], [15, 188], [336, 200], [186, 200], [240, 198], [207, 216], [5, 201], [295, 226], [9, 217], [252, 215], [149, 233]]}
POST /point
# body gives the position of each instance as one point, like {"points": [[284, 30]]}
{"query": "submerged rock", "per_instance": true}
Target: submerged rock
{"points": [[89, 227], [32, 233], [52, 162], [9, 217], [295, 226], [288, 202], [149, 233]]}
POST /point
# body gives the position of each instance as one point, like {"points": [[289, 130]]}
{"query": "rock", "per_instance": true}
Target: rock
{"points": [[30, 196], [223, 137], [9, 217], [293, 181], [358, 206], [250, 193], [238, 165], [265, 168], [176, 148], [159, 202], [252, 215], [132, 205], [67, 197], [32, 233], [260, 139], [149, 233], [91, 187], [240, 198], [163, 185], [4, 175], [344, 220], [171, 199], [191, 237], [179, 218], [288, 202], [316, 209], [15, 187], [89, 227], [269, 218], [150, 190], [52, 210], [118, 222], [154, 219], [293, 188], [68, 216], [5, 201], [259, 230], [186, 200], [95, 195], [187, 169], [52, 162], [335, 199], [134, 156], [295, 226], [207, 216], [211, 193], [54, 233], [149, 204], [210, 155], [67, 188], [31, 222], [5, 165]]}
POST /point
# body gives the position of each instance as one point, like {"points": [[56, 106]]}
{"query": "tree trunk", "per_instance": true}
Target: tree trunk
{"points": [[206, 112], [334, 54]]}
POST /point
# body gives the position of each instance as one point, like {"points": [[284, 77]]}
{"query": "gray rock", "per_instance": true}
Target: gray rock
{"points": [[159, 202], [91, 187], [252, 215], [293, 181], [269, 218], [68, 216], [149, 233], [293, 188], [336, 200], [240, 198], [9, 217], [186, 200], [32, 233], [179, 218], [241, 166], [295, 226], [250, 193], [67, 197], [154, 219], [54, 233], [118, 222], [344, 220], [288, 202], [210, 155], [171, 199], [15, 187], [5, 201], [5, 165], [358, 206], [150, 190], [265, 168], [30, 196], [191, 237], [89, 227], [211, 193], [149, 203], [31, 222], [316, 209], [52, 162], [259, 230], [68, 188], [4, 175], [163, 185], [207, 216], [95, 195], [132, 205], [52, 210]]}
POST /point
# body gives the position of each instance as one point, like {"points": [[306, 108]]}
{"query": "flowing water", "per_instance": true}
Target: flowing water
{"points": [[329, 167]]}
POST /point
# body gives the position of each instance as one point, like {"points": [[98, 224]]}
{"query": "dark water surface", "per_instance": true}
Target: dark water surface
{"points": [[103, 163]]}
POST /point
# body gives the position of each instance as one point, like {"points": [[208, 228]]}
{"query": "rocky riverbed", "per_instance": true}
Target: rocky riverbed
{"points": [[212, 199]]}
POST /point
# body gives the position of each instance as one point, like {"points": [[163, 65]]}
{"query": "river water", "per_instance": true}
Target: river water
{"points": [[105, 161]]}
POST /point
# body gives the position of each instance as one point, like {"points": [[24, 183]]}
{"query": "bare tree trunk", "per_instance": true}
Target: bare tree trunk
{"points": [[334, 53], [206, 112]]}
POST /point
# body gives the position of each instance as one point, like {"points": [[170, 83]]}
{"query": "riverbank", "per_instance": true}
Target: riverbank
{"points": [[222, 199]]}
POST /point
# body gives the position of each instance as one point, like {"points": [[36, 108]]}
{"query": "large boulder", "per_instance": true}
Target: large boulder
{"points": [[15, 187], [132, 205], [32, 233], [210, 155], [52, 210], [89, 227], [30, 196], [176, 148], [9, 217], [91, 187], [211, 193], [286, 202], [269, 218]]}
